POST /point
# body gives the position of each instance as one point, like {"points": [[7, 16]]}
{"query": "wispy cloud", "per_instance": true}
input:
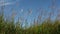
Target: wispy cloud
{"points": [[5, 2]]}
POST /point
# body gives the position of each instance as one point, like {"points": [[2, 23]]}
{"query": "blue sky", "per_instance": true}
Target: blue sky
{"points": [[21, 7]]}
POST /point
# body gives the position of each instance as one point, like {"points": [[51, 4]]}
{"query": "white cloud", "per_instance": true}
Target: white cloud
{"points": [[4, 4]]}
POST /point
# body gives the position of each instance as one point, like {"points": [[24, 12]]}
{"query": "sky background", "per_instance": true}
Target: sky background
{"points": [[22, 7]]}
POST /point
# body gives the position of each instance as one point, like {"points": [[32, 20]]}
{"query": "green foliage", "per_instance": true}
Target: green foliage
{"points": [[44, 28], [47, 27]]}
